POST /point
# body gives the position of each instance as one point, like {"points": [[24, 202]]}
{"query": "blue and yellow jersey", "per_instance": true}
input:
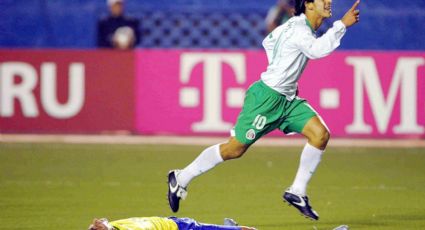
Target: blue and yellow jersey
{"points": [[144, 223]]}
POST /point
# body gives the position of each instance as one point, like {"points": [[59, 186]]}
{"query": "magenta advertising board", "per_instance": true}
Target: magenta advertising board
{"points": [[358, 94], [66, 91]]}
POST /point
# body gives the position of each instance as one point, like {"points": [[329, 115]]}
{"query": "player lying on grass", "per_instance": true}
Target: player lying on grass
{"points": [[162, 223], [273, 103]]}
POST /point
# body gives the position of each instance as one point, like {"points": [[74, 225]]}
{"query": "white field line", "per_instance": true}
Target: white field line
{"points": [[204, 141]]}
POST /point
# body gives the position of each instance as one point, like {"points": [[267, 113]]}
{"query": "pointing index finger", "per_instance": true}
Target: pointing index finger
{"points": [[355, 5]]}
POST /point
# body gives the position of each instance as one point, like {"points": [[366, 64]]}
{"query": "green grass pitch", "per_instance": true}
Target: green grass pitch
{"points": [[64, 186]]}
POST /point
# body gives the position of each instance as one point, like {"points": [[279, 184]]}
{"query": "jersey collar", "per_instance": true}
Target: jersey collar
{"points": [[308, 23]]}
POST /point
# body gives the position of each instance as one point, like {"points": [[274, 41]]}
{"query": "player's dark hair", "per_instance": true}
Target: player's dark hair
{"points": [[300, 6]]}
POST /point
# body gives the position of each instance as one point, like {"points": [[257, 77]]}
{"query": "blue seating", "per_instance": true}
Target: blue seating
{"points": [[202, 29], [230, 24]]}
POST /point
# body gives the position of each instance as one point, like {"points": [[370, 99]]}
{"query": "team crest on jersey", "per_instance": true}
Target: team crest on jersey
{"points": [[250, 134]]}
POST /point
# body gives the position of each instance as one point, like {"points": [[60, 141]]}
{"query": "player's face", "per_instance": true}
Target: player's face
{"points": [[323, 8], [97, 225]]}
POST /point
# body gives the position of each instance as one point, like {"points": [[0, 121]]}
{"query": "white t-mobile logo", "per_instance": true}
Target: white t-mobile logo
{"points": [[212, 120]]}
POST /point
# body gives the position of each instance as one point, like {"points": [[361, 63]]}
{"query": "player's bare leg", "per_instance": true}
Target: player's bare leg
{"points": [[232, 149], [317, 133], [211, 157], [318, 136]]}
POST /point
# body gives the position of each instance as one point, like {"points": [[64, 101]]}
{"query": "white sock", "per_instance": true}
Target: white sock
{"points": [[310, 159], [207, 160]]}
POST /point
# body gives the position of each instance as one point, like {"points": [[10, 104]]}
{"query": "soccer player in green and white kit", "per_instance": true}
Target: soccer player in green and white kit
{"points": [[272, 102]]}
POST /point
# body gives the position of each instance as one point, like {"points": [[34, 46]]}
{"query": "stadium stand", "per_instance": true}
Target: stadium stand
{"points": [[389, 25]]}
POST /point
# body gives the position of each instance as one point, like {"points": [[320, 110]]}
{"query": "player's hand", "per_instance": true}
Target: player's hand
{"points": [[247, 228], [352, 16]]}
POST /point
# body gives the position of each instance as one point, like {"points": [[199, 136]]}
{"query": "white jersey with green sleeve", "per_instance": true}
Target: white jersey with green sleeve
{"points": [[290, 46]]}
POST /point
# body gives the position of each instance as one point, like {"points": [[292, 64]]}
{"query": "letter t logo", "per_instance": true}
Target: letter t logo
{"points": [[212, 120]]}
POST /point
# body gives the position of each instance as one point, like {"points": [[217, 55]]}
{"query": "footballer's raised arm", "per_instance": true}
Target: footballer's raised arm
{"points": [[320, 47], [352, 16], [315, 48]]}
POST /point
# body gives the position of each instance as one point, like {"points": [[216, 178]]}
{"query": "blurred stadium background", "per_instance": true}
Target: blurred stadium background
{"points": [[69, 110], [391, 25]]}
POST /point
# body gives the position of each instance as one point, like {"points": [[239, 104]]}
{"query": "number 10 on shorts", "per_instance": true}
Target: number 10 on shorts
{"points": [[259, 121]]}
